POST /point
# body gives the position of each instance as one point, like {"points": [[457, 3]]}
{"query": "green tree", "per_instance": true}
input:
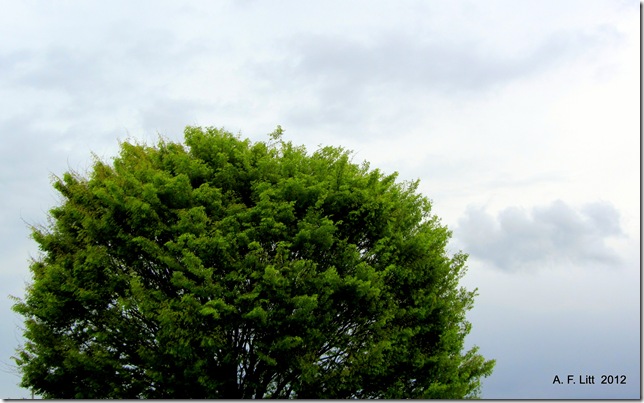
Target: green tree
{"points": [[224, 268]]}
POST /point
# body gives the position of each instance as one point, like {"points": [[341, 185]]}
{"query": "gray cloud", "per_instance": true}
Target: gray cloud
{"points": [[342, 78], [552, 234], [439, 65]]}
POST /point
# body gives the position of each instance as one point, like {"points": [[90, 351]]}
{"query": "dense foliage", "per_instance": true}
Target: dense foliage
{"points": [[226, 268]]}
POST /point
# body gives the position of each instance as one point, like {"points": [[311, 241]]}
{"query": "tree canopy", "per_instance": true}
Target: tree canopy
{"points": [[225, 268]]}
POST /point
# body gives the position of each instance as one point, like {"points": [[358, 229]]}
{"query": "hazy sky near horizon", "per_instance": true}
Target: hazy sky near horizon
{"points": [[520, 118]]}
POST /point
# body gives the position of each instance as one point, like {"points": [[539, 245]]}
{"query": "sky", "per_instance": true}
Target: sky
{"points": [[520, 119]]}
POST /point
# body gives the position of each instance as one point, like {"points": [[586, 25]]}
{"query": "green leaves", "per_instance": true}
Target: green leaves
{"points": [[225, 268]]}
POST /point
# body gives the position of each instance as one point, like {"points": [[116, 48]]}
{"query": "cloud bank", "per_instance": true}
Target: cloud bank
{"points": [[546, 235]]}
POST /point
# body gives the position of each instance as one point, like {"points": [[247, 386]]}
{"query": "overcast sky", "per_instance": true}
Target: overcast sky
{"points": [[520, 118]]}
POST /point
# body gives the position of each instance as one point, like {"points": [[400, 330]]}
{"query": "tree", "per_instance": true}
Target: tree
{"points": [[224, 268]]}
